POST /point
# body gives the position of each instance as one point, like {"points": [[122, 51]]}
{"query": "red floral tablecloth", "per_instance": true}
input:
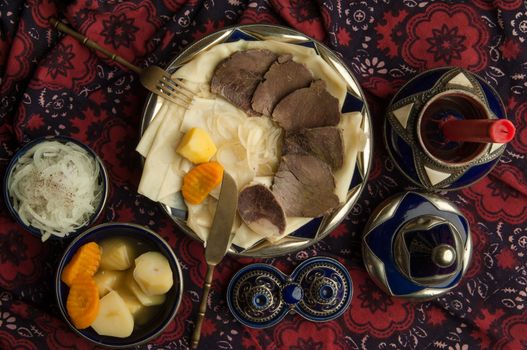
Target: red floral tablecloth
{"points": [[50, 84]]}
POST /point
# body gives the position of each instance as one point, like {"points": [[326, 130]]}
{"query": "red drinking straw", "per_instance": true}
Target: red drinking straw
{"points": [[478, 130]]}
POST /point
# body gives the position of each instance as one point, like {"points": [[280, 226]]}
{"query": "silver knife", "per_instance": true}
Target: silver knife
{"points": [[217, 243]]}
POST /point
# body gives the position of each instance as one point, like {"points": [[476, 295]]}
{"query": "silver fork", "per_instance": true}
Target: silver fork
{"points": [[153, 78]]}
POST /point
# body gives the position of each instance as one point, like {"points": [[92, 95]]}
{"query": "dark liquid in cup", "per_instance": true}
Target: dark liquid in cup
{"points": [[457, 106]]}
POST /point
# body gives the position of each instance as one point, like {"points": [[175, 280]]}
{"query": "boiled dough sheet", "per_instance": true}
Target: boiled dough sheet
{"points": [[164, 169]]}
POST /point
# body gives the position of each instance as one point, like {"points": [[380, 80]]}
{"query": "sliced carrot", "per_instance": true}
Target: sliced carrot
{"points": [[199, 181], [86, 260], [83, 301]]}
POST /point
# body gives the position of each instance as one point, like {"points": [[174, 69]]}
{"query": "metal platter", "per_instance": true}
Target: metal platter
{"points": [[355, 101]]}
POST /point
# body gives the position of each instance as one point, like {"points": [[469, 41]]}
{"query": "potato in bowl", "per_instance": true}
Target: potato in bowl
{"points": [[118, 285]]}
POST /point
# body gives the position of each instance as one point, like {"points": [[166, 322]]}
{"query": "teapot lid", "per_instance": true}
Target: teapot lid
{"points": [[417, 245]]}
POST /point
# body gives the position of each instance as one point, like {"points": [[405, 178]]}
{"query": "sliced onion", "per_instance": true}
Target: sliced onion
{"points": [[55, 187]]}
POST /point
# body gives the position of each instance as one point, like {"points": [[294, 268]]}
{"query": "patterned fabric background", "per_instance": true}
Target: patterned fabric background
{"points": [[50, 84]]}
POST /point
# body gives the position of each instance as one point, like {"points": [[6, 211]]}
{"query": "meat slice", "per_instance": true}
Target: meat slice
{"points": [[237, 76], [325, 143], [304, 186], [283, 77], [260, 210], [309, 107]]}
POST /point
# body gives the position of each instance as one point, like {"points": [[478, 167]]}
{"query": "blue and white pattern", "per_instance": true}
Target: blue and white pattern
{"points": [[406, 229], [402, 129]]}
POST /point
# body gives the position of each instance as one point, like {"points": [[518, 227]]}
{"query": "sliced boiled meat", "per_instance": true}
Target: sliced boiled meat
{"points": [[325, 143], [304, 186], [307, 108], [260, 210], [237, 76], [283, 77]]}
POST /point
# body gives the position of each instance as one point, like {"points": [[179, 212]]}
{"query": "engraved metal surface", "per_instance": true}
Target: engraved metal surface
{"points": [[400, 241], [319, 289], [404, 141], [327, 290], [403, 252], [255, 285]]}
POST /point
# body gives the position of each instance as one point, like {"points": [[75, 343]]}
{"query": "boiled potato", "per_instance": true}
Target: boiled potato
{"points": [[114, 318], [197, 146], [108, 280], [153, 274], [142, 314], [117, 254], [144, 299]]}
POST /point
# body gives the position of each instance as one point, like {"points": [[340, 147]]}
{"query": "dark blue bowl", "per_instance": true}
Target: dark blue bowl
{"points": [[103, 179], [166, 314]]}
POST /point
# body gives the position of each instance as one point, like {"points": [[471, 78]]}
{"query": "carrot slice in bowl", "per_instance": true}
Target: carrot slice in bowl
{"points": [[83, 301], [86, 260]]}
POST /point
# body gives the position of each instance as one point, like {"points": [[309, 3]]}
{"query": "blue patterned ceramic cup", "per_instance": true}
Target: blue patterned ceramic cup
{"points": [[451, 104], [414, 136]]}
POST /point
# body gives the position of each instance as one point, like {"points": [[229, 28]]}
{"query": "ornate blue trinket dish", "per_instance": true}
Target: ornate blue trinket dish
{"points": [[416, 246], [260, 295], [413, 136]]}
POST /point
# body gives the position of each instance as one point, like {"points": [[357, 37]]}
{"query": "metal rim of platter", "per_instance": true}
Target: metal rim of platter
{"points": [[318, 228]]}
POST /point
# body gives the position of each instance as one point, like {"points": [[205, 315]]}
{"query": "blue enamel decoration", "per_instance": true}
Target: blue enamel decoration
{"points": [[420, 83], [254, 296], [310, 44], [352, 103], [328, 289], [319, 289], [475, 172], [237, 35], [417, 246], [425, 157], [292, 293]]}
